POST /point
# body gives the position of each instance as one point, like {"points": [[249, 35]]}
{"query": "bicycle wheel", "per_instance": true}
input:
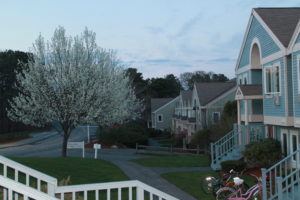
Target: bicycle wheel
{"points": [[208, 184], [257, 195], [225, 193], [216, 187]]}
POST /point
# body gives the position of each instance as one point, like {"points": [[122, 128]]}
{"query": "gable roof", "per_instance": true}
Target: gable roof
{"points": [[156, 103], [209, 91], [281, 21], [186, 95]]}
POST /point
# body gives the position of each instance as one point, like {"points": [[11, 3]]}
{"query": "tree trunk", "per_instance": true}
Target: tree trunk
{"points": [[66, 135]]}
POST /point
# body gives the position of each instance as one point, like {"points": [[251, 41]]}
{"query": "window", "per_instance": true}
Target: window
{"points": [[270, 132], [245, 80], [216, 117], [160, 118], [272, 79]]}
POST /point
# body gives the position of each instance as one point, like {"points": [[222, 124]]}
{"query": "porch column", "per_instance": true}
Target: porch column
{"points": [[239, 112], [246, 112], [246, 122], [239, 122]]}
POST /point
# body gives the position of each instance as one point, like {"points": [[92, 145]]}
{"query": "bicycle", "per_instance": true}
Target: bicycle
{"points": [[229, 193], [211, 184]]}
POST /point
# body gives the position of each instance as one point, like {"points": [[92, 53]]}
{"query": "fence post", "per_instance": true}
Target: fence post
{"points": [[171, 148], [264, 183], [136, 147], [198, 150], [139, 193], [279, 187]]}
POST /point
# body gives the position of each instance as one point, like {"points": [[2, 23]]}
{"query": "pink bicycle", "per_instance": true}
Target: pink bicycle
{"points": [[229, 193]]}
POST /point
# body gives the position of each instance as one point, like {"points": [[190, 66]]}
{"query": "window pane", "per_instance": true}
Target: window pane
{"points": [[277, 86], [268, 80]]}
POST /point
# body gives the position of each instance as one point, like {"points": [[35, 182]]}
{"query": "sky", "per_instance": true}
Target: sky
{"points": [[158, 37]]}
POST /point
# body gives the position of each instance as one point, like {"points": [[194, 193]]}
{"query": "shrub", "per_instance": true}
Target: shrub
{"points": [[236, 165], [264, 153], [128, 134], [201, 139]]}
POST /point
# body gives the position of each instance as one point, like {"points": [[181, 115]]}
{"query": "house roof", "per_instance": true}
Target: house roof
{"points": [[209, 91], [186, 95], [251, 90], [156, 103], [281, 21]]}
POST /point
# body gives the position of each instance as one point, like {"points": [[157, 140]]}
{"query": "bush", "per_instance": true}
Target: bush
{"points": [[201, 139], [264, 153], [236, 165], [128, 134]]}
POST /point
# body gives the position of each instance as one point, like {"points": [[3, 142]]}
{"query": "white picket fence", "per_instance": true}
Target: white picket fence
{"points": [[47, 188]]}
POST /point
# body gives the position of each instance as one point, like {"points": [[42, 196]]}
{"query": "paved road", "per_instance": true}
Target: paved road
{"points": [[49, 144]]}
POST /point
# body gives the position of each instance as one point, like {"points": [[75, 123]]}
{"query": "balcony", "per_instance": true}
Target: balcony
{"points": [[183, 117], [192, 119]]}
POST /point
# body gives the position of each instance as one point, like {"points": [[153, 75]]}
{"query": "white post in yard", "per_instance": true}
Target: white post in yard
{"points": [[96, 147]]}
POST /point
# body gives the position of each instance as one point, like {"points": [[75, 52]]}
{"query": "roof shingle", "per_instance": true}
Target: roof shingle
{"points": [[281, 21], [209, 91]]}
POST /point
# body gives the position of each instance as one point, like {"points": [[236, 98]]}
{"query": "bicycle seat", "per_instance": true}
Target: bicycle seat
{"points": [[238, 181]]}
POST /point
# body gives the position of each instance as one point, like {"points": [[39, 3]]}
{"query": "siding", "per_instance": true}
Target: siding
{"points": [[256, 76], [167, 112], [268, 46], [218, 106], [270, 109], [295, 84]]}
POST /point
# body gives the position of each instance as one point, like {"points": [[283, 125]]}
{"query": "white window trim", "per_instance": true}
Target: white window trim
{"points": [[162, 119], [298, 71], [265, 78], [219, 116]]}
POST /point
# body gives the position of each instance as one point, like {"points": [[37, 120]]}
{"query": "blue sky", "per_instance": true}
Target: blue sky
{"points": [[156, 36]]}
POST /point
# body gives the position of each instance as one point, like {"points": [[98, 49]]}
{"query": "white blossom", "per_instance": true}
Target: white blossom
{"points": [[73, 81]]}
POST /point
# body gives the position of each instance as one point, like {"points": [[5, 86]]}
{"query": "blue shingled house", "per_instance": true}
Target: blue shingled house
{"points": [[268, 97]]}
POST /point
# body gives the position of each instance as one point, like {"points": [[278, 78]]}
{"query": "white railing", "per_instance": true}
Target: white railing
{"points": [[11, 189], [124, 189], [282, 178], [223, 146], [30, 174]]}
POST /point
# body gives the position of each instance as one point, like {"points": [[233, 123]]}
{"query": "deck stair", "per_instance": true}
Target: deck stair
{"points": [[284, 177], [231, 146]]}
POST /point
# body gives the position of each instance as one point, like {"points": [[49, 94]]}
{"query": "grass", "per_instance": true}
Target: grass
{"points": [[81, 171], [190, 182], [174, 161]]}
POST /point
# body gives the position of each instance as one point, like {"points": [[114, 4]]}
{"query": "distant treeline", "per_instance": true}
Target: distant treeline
{"points": [[166, 87]]}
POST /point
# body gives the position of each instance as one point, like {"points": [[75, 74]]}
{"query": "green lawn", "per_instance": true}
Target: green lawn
{"points": [[174, 161], [190, 182], [80, 170]]}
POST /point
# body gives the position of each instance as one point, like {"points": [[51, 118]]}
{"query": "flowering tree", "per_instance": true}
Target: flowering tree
{"points": [[72, 81]]}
